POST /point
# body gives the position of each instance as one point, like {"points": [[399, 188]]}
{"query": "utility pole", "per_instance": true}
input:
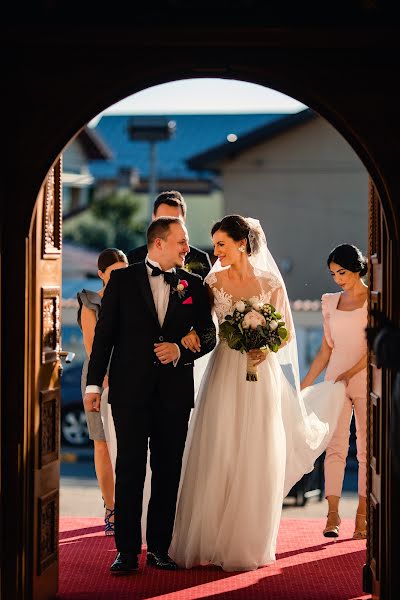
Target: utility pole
{"points": [[152, 129]]}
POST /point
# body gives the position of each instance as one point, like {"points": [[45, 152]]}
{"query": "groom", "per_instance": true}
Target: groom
{"points": [[145, 311], [173, 204]]}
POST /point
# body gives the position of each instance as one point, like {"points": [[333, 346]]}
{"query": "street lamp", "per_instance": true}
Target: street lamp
{"points": [[151, 129]]}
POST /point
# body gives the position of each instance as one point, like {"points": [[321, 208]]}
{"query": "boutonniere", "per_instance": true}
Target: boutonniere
{"points": [[181, 288]]}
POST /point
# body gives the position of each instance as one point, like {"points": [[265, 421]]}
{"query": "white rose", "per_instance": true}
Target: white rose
{"points": [[273, 325], [253, 319], [240, 306], [180, 287], [254, 301]]}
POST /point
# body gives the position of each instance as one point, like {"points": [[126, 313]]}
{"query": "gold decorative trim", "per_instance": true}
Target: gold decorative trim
{"points": [[51, 324], [48, 516], [52, 213], [49, 431]]}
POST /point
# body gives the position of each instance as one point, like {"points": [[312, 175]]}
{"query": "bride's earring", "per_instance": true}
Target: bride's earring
{"points": [[241, 248]]}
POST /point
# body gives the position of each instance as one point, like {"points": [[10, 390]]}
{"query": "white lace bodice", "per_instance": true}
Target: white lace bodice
{"points": [[224, 301]]}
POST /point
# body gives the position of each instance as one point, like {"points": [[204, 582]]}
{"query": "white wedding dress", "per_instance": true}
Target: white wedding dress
{"points": [[248, 443]]}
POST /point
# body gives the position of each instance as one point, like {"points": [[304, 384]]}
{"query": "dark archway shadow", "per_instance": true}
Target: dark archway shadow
{"points": [[103, 99]]}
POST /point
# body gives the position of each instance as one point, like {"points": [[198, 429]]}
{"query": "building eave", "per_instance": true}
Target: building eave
{"points": [[211, 159], [94, 147]]}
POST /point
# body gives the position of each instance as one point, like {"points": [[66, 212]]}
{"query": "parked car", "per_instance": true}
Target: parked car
{"points": [[74, 431]]}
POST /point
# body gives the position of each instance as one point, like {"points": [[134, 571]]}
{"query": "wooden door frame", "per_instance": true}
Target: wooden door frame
{"points": [[267, 57]]}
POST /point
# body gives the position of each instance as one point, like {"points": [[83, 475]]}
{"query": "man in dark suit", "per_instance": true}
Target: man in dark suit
{"points": [[172, 204], [146, 310]]}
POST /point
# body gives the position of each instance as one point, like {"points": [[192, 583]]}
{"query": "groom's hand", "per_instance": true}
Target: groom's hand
{"points": [[92, 401], [166, 352]]}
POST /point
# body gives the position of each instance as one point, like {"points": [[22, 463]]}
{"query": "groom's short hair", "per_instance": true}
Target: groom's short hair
{"points": [[159, 228], [171, 198]]}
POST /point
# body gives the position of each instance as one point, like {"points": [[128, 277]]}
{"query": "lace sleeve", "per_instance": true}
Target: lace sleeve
{"points": [[270, 285], [210, 279], [278, 300], [273, 282]]}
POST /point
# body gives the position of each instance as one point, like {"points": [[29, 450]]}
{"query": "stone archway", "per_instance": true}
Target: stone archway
{"points": [[310, 69]]}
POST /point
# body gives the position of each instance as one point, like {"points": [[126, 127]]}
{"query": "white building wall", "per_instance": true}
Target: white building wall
{"points": [[310, 192]]}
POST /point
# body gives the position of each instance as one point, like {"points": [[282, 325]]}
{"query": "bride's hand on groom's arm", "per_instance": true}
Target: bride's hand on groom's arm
{"points": [[92, 401], [191, 341]]}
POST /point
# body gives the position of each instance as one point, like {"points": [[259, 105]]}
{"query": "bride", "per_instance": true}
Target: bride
{"points": [[248, 442]]}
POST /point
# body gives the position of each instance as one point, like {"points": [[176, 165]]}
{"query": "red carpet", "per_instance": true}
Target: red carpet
{"points": [[308, 567]]}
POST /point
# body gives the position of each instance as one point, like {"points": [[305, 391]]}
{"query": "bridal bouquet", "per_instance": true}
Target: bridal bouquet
{"points": [[253, 325]]}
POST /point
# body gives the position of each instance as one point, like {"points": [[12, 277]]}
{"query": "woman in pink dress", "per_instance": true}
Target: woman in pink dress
{"points": [[343, 353]]}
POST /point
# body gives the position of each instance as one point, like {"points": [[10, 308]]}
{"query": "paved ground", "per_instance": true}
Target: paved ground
{"points": [[82, 498]]}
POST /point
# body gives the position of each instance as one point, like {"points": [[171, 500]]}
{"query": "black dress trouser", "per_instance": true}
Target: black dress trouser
{"points": [[164, 428]]}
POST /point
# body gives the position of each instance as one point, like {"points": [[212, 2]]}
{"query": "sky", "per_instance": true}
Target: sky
{"points": [[204, 96]]}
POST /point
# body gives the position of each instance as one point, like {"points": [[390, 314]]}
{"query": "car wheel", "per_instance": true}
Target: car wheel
{"points": [[300, 497], [74, 431]]}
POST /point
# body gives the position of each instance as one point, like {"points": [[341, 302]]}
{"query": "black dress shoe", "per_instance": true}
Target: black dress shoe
{"points": [[124, 564], [161, 560]]}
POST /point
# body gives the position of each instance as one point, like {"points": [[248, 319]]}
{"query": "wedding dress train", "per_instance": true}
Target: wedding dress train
{"points": [[248, 444]]}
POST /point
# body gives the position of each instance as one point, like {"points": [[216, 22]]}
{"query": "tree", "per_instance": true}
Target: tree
{"points": [[110, 221]]}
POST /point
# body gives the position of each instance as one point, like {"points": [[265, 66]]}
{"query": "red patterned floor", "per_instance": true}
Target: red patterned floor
{"points": [[308, 567]]}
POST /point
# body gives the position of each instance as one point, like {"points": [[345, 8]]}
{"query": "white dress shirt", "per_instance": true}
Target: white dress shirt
{"points": [[161, 292]]}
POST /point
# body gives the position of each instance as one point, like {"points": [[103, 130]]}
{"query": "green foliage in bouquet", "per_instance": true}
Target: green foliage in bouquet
{"points": [[253, 325]]}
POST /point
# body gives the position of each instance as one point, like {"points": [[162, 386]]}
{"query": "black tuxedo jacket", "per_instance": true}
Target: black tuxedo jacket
{"points": [[197, 260], [127, 329]]}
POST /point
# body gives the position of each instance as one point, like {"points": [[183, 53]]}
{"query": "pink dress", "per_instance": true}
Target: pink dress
{"points": [[345, 334]]}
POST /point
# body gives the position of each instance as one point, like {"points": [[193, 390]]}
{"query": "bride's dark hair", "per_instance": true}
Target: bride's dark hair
{"points": [[238, 229]]}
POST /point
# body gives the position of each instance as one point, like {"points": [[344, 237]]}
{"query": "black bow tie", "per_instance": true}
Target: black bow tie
{"points": [[170, 278]]}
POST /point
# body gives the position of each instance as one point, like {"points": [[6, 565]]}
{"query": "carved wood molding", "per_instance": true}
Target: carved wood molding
{"points": [[375, 224], [52, 213], [49, 437], [376, 432], [375, 307], [51, 324], [48, 516], [374, 518]]}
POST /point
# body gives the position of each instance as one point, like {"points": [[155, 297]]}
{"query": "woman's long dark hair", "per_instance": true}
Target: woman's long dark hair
{"points": [[350, 258]]}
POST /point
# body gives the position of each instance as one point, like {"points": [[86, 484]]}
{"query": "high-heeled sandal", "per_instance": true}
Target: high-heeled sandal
{"points": [[332, 530], [360, 533], [109, 528]]}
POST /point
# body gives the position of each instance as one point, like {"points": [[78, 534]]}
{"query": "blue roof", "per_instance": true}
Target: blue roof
{"points": [[194, 134]]}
